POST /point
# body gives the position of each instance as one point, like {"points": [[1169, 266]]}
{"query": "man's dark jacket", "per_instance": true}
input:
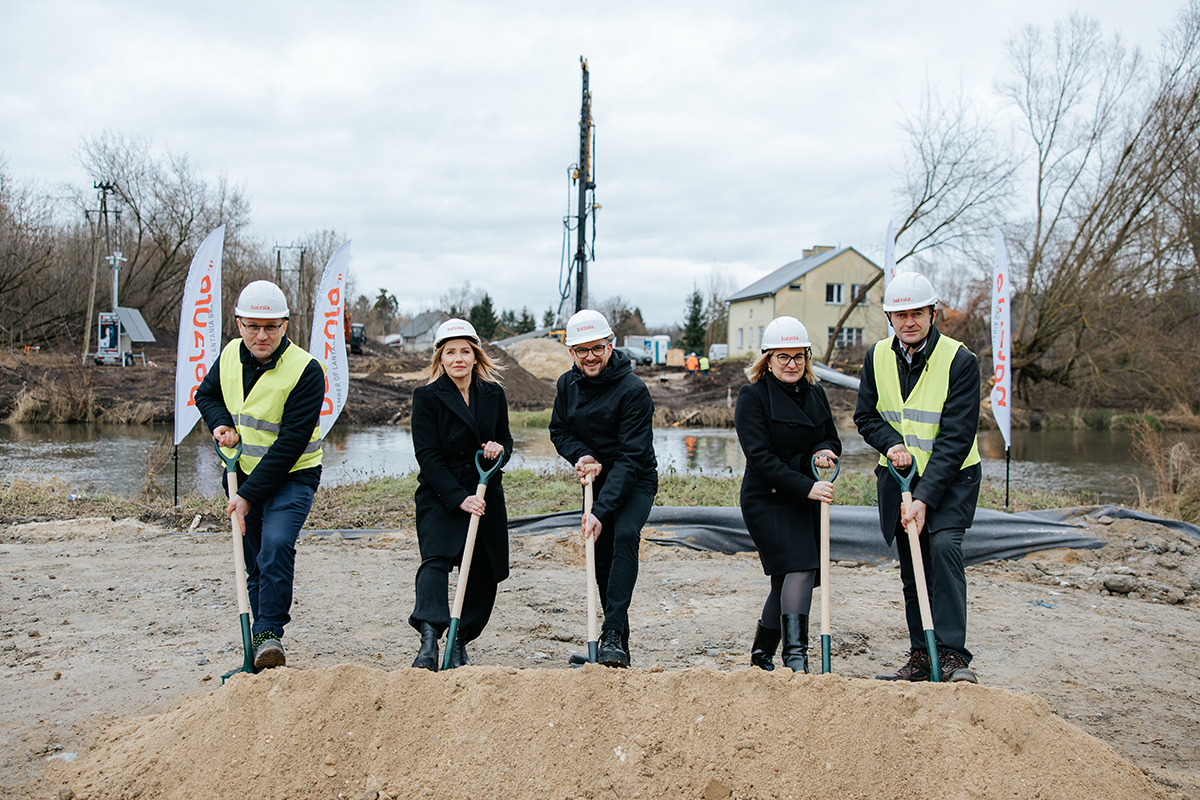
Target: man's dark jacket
{"points": [[611, 418], [301, 411], [949, 491]]}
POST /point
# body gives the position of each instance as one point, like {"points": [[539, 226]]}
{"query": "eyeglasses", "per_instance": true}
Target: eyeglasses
{"points": [[582, 352], [784, 359], [253, 330]]}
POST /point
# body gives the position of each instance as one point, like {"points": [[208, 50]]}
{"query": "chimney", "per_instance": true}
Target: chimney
{"points": [[807, 253], [821, 248]]}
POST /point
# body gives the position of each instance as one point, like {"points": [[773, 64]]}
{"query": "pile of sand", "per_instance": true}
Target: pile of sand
{"points": [[544, 358], [525, 392], [477, 732]]}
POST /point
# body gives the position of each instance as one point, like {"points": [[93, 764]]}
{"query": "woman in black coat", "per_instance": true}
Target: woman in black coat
{"points": [[461, 410], [783, 419]]}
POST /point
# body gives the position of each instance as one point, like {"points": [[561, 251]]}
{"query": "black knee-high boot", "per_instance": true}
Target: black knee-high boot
{"points": [[795, 641], [762, 652], [427, 656]]}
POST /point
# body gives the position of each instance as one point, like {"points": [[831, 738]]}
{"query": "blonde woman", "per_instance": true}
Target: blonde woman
{"points": [[783, 419], [462, 410]]}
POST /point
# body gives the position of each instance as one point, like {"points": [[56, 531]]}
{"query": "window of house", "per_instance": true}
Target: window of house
{"points": [[855, 288], [741, 346], [847, 337], [835, 294], [796, 287], [752, 313], [760, 330]]}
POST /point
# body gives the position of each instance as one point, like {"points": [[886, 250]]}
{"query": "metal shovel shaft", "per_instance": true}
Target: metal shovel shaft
{"points": [[239, 570], [464, 571], [592, 592], [918, 564], [825, 628]]}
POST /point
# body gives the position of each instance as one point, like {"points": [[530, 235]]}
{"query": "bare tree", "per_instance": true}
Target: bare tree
{"points": [[957, 178], [167, 210]]}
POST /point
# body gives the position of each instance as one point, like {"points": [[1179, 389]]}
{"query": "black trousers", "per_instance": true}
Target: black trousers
{"points": [[617, 556], [941, 554], [434, 591]]}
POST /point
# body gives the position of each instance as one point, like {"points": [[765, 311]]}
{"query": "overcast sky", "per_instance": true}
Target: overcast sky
{"points": [[437, 135]]}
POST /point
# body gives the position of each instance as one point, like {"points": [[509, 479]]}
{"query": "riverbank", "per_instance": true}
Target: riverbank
{"points": [[49, 386]]}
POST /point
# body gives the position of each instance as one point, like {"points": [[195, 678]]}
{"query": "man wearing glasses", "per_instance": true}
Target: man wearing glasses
{"points": [[267, 394], [603, 425]]}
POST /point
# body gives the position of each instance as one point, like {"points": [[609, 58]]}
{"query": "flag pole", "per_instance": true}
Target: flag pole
{"points": [[1007, 464]]}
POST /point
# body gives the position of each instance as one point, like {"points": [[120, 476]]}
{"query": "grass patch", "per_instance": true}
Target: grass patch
{"points": [[387, 503], [529, 419]]}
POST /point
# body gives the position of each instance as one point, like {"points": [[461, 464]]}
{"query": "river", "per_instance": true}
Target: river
{"points": [[113, 459]]}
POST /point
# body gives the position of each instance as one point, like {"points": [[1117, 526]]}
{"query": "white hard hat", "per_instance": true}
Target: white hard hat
{"points": [[455, 329], [908, 290], [785, 332], [261, 300], [586, 326]]}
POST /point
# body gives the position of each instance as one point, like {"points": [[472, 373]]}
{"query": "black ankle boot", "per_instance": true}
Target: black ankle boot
{"points": [[795, 641], [427, 656], [762, 652], [458, 654]]}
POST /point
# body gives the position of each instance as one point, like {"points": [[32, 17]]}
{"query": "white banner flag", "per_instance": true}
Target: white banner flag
{"points": [[199, 330], [1001, 343], [889, 263], [328, 340]]}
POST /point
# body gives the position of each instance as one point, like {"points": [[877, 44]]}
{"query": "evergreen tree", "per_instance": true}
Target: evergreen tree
{"points": [[548, 318], [691, 338], [526, 323], [508, 323], [483, 318]]}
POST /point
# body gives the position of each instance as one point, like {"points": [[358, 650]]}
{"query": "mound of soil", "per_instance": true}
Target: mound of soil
{"points": [[353, 731]]}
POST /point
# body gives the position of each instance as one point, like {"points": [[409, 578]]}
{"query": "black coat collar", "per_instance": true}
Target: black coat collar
{"points": [[448, 393], [783, 408]]}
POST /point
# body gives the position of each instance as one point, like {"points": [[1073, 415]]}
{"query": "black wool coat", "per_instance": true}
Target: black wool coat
{"points": [[446, 435], [779, 438], [610, 418]]}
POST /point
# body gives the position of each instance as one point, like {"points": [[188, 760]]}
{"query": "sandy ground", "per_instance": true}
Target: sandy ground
{"points": [[104, 621]]}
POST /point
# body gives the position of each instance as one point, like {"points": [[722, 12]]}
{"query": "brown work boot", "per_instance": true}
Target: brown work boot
{"points": [[954, 667], [917, 669]]}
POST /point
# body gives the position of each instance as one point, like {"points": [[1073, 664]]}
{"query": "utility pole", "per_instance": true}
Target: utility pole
{"points": [[586, 185], [105, 190], [297, 312]]}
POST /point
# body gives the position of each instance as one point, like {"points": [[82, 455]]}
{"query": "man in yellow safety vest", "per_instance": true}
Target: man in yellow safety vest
{"points": [[267, 393], [918, 405]]}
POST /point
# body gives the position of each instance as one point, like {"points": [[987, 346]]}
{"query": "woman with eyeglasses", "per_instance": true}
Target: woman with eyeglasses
{"points": [[783, 419], [463, 409]]}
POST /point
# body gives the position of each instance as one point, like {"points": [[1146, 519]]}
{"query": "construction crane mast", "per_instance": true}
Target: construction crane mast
{"points": [[586, 185]]}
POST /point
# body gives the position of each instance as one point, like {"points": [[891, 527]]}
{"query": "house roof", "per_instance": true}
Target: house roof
{"points": [[791, 271], [421, 323]]}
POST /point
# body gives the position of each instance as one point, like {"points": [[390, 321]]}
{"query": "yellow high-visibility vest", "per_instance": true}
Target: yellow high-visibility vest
{"points": [[258, 416], [919, 418]]}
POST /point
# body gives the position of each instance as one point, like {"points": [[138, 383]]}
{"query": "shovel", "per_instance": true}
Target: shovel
{"points": [[464, 569], [825, 636], [914, 547], [590, 548], [239, 564]]}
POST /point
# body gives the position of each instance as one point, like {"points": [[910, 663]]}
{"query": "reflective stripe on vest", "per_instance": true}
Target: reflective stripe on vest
{"points": [[919, 418], [258, 416]]}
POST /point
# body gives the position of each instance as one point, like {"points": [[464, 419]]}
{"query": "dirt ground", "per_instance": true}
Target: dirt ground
{"points": [[115, 635]]}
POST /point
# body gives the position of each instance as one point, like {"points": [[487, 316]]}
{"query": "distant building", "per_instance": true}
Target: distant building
{"points": [[417, 335], [814, 290]]}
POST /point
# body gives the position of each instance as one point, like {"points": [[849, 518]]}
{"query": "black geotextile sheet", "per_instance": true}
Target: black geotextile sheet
{"points": [[854, 531]]}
